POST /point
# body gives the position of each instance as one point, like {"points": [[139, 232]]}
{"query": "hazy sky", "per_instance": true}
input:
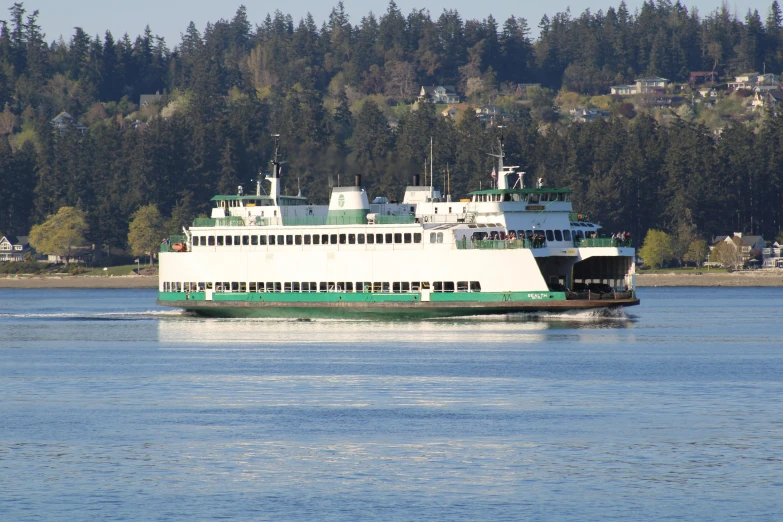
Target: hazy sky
{"points": [[169, 18]]}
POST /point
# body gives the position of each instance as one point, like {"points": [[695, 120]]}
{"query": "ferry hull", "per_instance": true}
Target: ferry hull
{"points": [[388, 310]]}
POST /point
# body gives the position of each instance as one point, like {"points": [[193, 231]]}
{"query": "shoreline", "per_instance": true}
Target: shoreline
{"points": [[762, 278], [108, 282], [765, 278]]}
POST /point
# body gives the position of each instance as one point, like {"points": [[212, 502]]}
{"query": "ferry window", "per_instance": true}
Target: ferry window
{"points": [[425, 285], [270, 287], [385, 287], [245, 240], [370, 239], [389, 238], [229, 240], [396, 287], [448, 286], [405, 287], [322, 287], [440, 237], [437, 286], [348, 286], [351, 239], [297, 240], [195, 240], [558, 235], [271, 240], [567, 235], [296, 287], [305, 287], [550, 236], [462, 286], [379, 238], [251, 287], [278, 287], [407, 238], [475, 286], [209, 286], [359, 287], [234, 286], [262, 240], [528, 233], [289, 239], [333, 239], [433, 237], [242, 287], [436, 210], [236, 240], [307, 239], [342, 239], [417, 237], [324, 239], [360, 239], [313, 286], [220, 241], [415, 286], [286, 287], [449, 210], [316, 239], [253, 240], [398, 238], [280, 239]]}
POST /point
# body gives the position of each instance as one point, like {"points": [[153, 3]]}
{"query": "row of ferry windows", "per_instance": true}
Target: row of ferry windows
{"points": [[340, 286], [551, 235], [531, 198], [308, 239]]}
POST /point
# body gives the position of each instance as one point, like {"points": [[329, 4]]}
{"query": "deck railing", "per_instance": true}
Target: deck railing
{"points": [[601, 242], [493, 244], [381, 219], [231, 221]]}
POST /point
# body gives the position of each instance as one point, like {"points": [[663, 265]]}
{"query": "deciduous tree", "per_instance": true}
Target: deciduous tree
{"points": [[60, 233], [657, 248], [146, 230]]}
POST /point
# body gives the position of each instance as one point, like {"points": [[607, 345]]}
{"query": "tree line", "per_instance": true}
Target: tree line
{"points": [[326, 90]]}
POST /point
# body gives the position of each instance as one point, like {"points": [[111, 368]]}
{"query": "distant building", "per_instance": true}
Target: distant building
{"points": [[439, 94], [490, 113], [13, 248], [702, 77], [149, 99], [769, 99], [641, 86], [750, 247], [772, 256], [754, 81], [583, 114], [65, 121], [453, 111], [523, 87]]}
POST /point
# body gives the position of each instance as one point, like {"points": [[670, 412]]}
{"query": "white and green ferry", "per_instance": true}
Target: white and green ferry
{"points": [[504, 250]]}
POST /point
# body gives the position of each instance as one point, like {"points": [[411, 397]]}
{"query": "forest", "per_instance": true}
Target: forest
{"points": [[341, 95]]}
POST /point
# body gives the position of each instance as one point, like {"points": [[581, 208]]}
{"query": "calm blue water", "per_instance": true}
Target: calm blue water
{"points": [[113, 409]]}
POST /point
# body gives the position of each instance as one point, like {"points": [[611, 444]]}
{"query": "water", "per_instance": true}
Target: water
{"points": [[114, 409]]}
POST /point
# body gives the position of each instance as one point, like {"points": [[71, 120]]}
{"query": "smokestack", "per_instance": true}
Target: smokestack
{"points": [[358, 180], [415, 180]]}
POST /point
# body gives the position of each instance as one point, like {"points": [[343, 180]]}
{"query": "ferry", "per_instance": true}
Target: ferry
{"points": [[502, 250]]}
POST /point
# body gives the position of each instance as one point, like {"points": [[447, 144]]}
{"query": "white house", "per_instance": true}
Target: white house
{"points": [[13, 248], [773, 256], [439, 94]]}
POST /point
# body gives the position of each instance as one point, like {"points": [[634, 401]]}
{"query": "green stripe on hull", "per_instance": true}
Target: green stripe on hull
{"points": [[377, 306]]}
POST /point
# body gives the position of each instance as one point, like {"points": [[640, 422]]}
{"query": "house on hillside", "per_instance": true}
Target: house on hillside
{"points": [[453, 111], [583, 114], [83, 255], [13, 248], [642, 86], [145, 100], [523, 87], [64, 121], [490, 113], [439, 94], [770, 99], [702, 77]]}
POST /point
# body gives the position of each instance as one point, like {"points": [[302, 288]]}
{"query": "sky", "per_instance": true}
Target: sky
{"points": [[170, 18]]}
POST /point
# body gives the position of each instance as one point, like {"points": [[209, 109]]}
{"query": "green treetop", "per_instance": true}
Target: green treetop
{"points": [[60, 233]]}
